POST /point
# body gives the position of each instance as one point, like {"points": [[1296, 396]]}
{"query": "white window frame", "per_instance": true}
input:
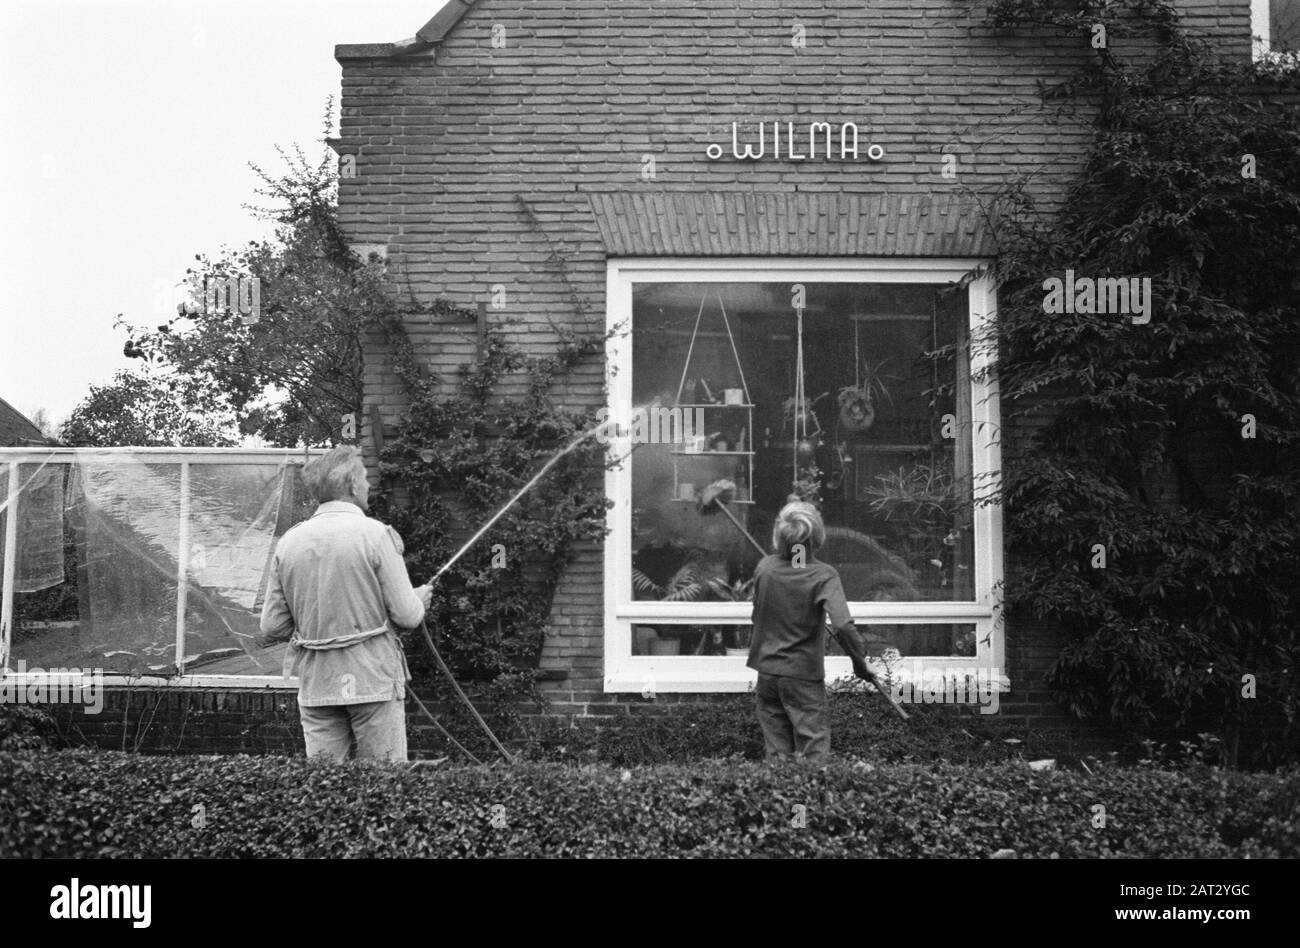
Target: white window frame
{"points": [[625, 672], [1261, 37], [1261, 43], [11, 458]]}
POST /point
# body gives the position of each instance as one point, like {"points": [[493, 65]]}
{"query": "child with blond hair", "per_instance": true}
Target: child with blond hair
{"points": [[795, 597]]}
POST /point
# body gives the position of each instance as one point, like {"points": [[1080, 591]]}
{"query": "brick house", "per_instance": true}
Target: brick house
{"points": [[775, 209], [16, 428], [689, 165]]}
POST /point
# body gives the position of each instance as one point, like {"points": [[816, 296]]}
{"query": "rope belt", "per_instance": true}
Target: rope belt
{"points": [[337, 641]]}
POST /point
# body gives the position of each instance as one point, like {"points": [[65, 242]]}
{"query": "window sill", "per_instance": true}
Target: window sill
{"points": [[721, 674]]}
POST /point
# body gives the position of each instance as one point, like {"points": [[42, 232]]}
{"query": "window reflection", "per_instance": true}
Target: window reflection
{"points": [[880, 440]]}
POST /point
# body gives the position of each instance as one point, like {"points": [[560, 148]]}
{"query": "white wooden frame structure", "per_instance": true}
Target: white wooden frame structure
{"points": [[12, 458], [625, 672]]}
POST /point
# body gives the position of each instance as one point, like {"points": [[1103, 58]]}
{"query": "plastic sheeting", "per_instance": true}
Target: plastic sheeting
{"points": [[126, 516], [234, 511], [124, 520], [39, 564], [39, 561]]}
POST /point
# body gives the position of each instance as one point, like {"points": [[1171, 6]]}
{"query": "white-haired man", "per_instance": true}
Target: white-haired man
{"points": [[338, 591]]}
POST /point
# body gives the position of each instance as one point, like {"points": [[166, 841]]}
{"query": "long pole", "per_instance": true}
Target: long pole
{"points": [[732, 517]]}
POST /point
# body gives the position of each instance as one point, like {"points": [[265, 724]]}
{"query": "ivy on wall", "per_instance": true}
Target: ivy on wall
{"points": [[1155, 516], [462, 451]]}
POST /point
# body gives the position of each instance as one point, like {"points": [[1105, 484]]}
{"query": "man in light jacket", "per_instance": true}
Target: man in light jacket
{"points": [[337, 592]]}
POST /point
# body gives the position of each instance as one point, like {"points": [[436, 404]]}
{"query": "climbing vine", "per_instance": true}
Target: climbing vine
{"points": [[462, 450], [1155, 513]]}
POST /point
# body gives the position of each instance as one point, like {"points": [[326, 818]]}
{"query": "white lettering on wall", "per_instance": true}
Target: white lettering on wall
{"points": [[749, 142]]}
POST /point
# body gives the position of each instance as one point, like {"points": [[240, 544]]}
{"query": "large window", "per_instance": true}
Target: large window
{"points": [[148, 564], [852, 385]]}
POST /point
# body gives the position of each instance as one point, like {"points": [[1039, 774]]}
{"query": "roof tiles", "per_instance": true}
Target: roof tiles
{"points": [[788, 223]]}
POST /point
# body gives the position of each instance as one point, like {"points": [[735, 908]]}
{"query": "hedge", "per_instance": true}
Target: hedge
{"points": [[80, 804]]}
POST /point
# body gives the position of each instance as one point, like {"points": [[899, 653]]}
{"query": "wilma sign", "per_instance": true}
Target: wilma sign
{"points": [[802, 142]]}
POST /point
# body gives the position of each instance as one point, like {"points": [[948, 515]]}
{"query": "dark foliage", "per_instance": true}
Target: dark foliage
{"points": [[82, 805], [461, 453], [1173, 448]]}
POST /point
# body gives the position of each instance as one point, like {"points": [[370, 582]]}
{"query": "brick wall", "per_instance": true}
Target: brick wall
{"points": [[186, 720], [218, 721], [473, 164]]}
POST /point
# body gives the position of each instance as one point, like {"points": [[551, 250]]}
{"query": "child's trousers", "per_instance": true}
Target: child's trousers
{"points": [[792, 714]]}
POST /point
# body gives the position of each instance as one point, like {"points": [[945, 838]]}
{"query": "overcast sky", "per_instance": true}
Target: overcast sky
{"points": [[128, 126]]}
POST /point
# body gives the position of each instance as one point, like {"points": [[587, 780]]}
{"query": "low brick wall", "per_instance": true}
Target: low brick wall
{"points": [[187, 721], [155, 720]]}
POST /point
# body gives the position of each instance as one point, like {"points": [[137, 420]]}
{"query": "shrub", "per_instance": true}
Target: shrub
{"points": [[23, 727], [77, 804], [1172, 447]]}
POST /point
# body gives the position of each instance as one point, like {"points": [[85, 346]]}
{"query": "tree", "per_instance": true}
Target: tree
{"points": [[292, 370], [41, 419], [143, 409]]}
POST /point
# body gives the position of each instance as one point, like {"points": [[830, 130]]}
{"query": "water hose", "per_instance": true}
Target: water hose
{"points": [[428, 640], [445, 733], [424, 626]]}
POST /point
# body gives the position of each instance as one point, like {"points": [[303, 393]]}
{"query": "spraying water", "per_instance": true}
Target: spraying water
{"points": [[424, 627], [560, 455]]}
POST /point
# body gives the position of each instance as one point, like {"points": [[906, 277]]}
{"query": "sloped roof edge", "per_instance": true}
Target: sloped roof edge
{"points": [[427, 36], [789, 223], [16, 428]]}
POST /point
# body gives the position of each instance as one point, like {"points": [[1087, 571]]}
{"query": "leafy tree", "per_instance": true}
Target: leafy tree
{"points": [[1156, 516], [142, 409], [41, 419], [294, 370]]}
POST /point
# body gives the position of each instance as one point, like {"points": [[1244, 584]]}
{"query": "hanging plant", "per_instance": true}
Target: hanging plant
{"points": [[857, 409], [802, 417], [807, 485], [858, 401]]}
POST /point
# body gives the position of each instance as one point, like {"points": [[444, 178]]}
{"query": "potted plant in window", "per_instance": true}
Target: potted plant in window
{"points": [[858, 401], [924, 503], [685, 585], [738, 590]]}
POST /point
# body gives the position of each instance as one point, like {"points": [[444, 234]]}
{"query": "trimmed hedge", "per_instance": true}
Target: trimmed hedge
{"points": [[23, 727], [80, 804]]}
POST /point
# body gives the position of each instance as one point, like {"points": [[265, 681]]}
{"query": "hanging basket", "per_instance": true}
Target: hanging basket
{"points": [[857, 409]]}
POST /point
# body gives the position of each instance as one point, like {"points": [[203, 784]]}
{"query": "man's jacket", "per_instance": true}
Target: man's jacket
{"points": [[338, 590]]}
